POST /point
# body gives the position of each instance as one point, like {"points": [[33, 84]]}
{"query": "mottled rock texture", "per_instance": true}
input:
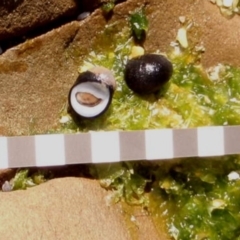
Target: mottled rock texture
{"points": [[36, 75], [35, 78], [18, 17], [69, 209]]}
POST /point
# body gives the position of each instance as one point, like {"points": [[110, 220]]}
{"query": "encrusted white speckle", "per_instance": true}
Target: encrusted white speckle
{"points": [[182, 37], [6, 187], [233, 176], [64, 119], [83, 15], [133, 219], [182, 19], [227, 3]]}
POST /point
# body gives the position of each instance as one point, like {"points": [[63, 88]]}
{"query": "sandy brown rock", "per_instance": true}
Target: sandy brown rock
{"points": [[216, 33], [141, 224], [67, 209], [35, 79], [36, 75], [21, 16], [37, 72]]}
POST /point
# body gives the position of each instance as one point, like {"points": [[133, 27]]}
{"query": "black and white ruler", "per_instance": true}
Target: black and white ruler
{"points": [[115, 146]]}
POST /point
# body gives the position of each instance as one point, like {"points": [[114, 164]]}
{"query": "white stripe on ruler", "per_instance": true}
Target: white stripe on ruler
{"points": [[4, 153], [50, 150], [159, 144], [210, 141], [105, 147]]}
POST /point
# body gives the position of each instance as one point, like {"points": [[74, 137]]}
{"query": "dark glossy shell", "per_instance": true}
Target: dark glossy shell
{"points": [[148, 73]]}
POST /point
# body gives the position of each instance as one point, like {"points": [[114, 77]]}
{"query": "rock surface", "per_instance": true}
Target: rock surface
{"points": [[216, 33], [69, 209], [35, 79], [36, 75], [21, 16]]}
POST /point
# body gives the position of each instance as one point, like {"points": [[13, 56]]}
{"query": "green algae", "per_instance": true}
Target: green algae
{"points": [[23, 179], [139, 24], [195, 197], [190, 99]]}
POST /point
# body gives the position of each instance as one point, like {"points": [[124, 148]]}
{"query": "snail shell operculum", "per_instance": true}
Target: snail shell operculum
{"points": [[92, 93]]}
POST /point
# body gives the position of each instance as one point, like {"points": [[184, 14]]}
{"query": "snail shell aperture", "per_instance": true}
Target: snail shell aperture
{"points": [[92, 93], [148, 73]]}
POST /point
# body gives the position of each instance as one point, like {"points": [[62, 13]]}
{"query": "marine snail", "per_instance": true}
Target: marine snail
{"points": [[92, 93], [147, 73]]}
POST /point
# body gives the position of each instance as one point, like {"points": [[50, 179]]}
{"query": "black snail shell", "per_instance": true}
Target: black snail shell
{"points": [[92, 93], [148, 73]]}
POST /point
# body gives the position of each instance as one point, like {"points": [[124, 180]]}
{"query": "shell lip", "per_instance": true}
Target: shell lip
{"points": [[104, 75], [87, 76], [92, 76]]}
